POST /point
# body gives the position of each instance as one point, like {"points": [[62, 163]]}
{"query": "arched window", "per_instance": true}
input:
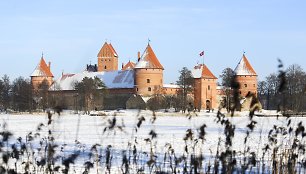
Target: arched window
{"points": [[148, 80], [105, 67], [149, 88], [245, 85], [208, 87]]}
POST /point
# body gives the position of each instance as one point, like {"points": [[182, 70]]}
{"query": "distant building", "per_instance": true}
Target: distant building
{"points": [[107, 58], [42, 72], [205, 87], [136, 83], [246, 77]]}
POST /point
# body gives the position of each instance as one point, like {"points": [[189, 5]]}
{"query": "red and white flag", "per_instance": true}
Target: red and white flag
{"points": [[202, 53]]}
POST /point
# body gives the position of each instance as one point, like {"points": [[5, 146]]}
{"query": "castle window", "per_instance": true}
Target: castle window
{"points": [[208, 87], [245, 85], [105, 67], [149, 88], [254, 85], [148, 80], [136, 89]]}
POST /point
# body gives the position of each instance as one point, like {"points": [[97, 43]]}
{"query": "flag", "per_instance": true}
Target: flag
{"points": [[202, 53]]}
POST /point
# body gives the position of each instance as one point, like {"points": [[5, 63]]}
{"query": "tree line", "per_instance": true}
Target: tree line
{"points": [[20, 95], [293, 94], [282, 90]]}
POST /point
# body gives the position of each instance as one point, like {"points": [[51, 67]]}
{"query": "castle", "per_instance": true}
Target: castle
{"points": [[136, 82]]}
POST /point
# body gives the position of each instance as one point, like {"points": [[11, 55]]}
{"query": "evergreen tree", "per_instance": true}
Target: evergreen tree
{"points": [[89, 91], [22, 94], [227, 76]]}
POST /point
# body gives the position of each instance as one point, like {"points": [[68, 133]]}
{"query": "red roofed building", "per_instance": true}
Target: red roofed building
{"points": [[42, 72], [246, 77], [129, 65], [107, 58], [205, 88]]}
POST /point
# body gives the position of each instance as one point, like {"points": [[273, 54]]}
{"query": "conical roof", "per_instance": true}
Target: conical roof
{"points": [[244, 67], [42, 69], [149, 60]]}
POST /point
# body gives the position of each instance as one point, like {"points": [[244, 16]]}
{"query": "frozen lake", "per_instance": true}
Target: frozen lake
{"points": [[169, 127]]}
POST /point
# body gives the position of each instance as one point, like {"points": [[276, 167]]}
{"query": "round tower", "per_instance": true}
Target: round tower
{"points": [[246, 77], [148, 74]]}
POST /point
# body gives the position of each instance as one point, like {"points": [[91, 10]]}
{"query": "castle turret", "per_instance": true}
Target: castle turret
{"points": [[205, 87], [148, 74], [42, 72], [107, 58], [246, 77]]}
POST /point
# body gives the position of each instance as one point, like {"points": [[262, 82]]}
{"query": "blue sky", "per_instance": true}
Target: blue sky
{"points": [[71, 32]]}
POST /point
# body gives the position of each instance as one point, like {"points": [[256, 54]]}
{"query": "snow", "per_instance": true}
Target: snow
{"points": [[242, 69], [37, 72], [112, 79], [171, 86], [145, 99], [197, 72], [142, 64], [170, 128]]}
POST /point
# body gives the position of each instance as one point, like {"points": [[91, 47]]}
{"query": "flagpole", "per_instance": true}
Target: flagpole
{"points": [[203, 57]]}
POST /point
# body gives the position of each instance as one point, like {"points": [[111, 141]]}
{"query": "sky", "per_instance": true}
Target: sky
{"points": [[70, 33]]}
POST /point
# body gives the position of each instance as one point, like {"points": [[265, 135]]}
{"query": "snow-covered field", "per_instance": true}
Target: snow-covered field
{"points": [[170, 128]]}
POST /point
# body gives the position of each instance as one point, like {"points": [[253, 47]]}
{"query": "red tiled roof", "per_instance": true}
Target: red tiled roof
{"points": [[151, 58], [248, 65], [129, 65], [45, 68], [206, 73], [113, 50], [108, 46], [42, 69], [64, 76], [244, 67]]}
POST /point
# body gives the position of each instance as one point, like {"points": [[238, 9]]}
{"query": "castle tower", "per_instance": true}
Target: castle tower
{"points": [[107, 58], [246, 77], [205, 88], [42, 72], [148, 74]]}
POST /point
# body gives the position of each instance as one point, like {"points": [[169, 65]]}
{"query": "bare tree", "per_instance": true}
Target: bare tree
{"points": [[227, 76], [186, 86]]}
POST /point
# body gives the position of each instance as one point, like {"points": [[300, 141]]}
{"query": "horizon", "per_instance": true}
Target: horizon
{"points": [[71, 33]]}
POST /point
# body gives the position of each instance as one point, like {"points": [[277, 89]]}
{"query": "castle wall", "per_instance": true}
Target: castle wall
{"points": [[247, 83], [148, 81], [112, 99], [170, 91]]}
